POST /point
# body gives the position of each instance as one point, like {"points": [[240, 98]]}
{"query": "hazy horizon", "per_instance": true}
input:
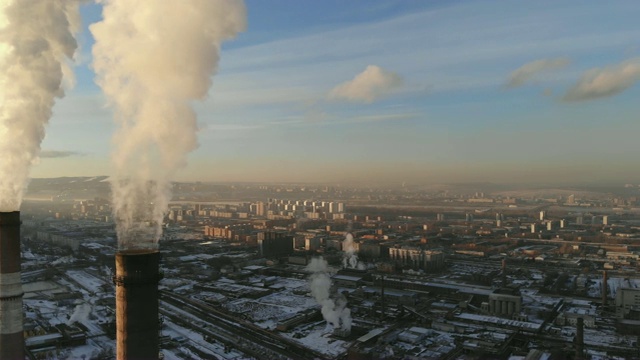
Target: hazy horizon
{"points": [[585, 183]]}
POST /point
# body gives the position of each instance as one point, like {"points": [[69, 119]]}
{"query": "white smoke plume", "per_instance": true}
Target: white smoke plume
{"points": [[37, 45], [350, 258], [152, 60], [80, 314], [334, 309]]}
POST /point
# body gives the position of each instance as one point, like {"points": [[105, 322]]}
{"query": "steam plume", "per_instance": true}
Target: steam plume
{"points": [[80, 314], [36, 45], [350, 258], [152, 60], [334, 311]]}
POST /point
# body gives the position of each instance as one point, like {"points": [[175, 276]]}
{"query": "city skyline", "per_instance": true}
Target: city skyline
{"points": [[397, 91]]}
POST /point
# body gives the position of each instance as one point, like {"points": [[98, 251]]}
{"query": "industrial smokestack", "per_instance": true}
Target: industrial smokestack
{"points": [[382, 296], [37, 45], [580, 339], [157, 128], [11, 336], [605, 288], [137, 326], [504, 272]]}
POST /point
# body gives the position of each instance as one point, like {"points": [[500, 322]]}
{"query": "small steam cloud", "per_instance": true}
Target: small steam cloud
{"points": [[37, 45], [152, 60], [527, 71], [368, 86], [51, 154], [350, 258], [604, 82], [334, 310], [80, 314]]}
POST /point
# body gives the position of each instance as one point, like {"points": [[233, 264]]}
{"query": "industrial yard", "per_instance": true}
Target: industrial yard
{"points": [[365, 287]]}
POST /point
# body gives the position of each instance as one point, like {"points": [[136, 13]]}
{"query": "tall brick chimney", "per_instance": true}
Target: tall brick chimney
{"points": [[137, 326], [11, 317]]}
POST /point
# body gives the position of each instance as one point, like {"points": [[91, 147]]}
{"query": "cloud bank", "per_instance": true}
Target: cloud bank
{"points": [[368, 86], [527, 71], [604, 82]]}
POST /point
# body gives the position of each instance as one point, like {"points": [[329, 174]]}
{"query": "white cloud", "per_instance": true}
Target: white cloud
{"points": [[604, 82], [474, 56], [384, 117], [327, 119], [231, 127], [368, 86], [51, 154], [527, 71]]}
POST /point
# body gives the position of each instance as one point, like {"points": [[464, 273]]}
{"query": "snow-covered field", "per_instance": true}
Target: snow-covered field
{"points": [[319, 338], [296, 302], [268, 310]]}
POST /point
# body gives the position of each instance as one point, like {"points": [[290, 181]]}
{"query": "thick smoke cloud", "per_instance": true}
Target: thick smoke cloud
{"points": [[604, 82], [527, 71], [368, 86], [334, 308], [152, 60], [36, 47]]}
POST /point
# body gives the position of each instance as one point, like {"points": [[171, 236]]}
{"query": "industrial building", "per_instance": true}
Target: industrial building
{"points": [[505, 302], [417, 258], [627, 299], [275, 244]]}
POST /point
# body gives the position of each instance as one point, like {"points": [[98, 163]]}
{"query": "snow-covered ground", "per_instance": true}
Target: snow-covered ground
{"points": [[319, 338], [295, 302], [214, 349], [292, 284], [42, 289], [258, 311], [613, 284], [268, 310], [89, 282]]}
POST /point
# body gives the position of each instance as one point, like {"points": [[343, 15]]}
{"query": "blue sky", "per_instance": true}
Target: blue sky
{"points": [[435, 106]]}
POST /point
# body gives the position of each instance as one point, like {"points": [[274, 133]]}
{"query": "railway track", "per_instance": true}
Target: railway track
{"points": [[241, 332]]}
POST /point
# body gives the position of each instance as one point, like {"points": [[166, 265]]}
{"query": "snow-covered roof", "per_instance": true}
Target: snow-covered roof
{"points": [[499, 321]]}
